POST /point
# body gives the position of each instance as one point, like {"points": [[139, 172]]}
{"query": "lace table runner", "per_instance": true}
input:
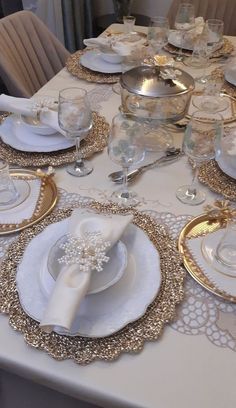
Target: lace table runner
{"points": [[201, 313]]}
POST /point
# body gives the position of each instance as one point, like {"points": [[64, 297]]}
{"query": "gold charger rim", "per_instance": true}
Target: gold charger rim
{"points": [[133, 336], [95, 142], [76, 69], [46, 181], [191, 266], [226, 49], [211, 175], [226, 120]]}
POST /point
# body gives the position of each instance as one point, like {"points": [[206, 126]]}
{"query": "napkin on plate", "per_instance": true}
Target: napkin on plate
{"points": [[221, 281], [104, 44], [71, 285], [21, 106]]}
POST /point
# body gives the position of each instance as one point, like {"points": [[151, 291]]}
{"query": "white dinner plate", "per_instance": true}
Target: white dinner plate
{"points": [[104, 313], [225, 166], [15, 134], [188, 43], [230, 76], [94, 61]]}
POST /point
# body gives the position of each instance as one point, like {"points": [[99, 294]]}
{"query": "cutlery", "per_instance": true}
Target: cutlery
{"points": [[171, 154]]}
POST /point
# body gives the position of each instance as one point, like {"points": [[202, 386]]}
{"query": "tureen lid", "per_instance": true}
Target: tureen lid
{"points": [[157, 81]]}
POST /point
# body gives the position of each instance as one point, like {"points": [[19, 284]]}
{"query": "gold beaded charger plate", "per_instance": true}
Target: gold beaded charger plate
{"points": [[94, 142], [227, 87], [211, 175], [226, 49], [75, 68], [200, 227], [133, 336], [46, 201]]}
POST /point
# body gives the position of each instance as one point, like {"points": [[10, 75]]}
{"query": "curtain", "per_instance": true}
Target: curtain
{"points": [[11, 6], [77, 22], [50, 12]]}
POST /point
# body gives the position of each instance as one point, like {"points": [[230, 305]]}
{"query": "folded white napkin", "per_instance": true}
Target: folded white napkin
{"points": [[221, 281], [72, 285], [123, 44], [104, 44], [21, 106]]}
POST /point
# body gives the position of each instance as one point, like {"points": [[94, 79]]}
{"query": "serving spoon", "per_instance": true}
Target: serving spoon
{"points": [[171, 154]]}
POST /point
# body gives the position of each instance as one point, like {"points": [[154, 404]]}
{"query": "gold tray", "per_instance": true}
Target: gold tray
{"points": [[199, 226], [75, 68], [232, 103], [46, 201]]}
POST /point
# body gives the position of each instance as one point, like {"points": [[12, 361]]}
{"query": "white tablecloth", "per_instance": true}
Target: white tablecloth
{"points": [[183, 368]]}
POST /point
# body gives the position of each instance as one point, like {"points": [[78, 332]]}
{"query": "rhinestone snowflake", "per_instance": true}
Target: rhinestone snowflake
{"points": [[89, 252]]}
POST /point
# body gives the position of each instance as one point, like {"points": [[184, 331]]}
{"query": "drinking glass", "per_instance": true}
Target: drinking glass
{"points": [[75, 118], [125, 148], [10, 194], [184, 21], [215, 29], [199, 145], [158, 33], [226, 248], [129, 22]]}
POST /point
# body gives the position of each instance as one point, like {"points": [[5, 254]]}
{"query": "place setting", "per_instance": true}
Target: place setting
{"points": [[31, 135], [190, 30], [101, 61], [110, 302]]}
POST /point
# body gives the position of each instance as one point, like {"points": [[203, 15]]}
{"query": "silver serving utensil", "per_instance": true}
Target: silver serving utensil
{"points": [[171, 154]]}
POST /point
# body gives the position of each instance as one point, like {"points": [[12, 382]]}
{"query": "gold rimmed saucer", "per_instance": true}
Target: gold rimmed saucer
{"points": [[46, 201], [200, 227], [231, 103]]}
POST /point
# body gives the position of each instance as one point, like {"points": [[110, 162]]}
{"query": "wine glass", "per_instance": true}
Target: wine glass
{"points": [[75, 118], [184, 21], [199, 145], [158, 33], [125, 147]]}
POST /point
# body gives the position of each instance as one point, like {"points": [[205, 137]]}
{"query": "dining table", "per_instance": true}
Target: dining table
{"points": [[191, 363]]}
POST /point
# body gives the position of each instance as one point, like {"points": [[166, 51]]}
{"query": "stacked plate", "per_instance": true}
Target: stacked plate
{"points": [[121, 294]]}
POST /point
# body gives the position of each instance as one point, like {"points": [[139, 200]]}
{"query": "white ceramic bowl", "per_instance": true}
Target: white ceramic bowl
{"points": [[35, 126], [111, 273], [111, 57]]}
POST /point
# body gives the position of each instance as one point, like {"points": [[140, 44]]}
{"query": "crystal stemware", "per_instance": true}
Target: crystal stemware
{"points": [[125, 148], [184, 21], [75, 118], [11, 194], [199, 145], [158, 33]]}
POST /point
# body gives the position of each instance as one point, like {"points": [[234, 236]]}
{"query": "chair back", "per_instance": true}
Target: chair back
{"points": [[30, 54], [221, 9]]}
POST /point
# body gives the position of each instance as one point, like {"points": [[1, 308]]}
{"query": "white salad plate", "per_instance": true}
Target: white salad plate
{"points": [[14, 133], [104, 313], [94, 61]]}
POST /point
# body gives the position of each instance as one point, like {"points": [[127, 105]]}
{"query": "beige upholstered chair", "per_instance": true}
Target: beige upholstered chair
{"points": [[222, 9], [30, 54]]}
